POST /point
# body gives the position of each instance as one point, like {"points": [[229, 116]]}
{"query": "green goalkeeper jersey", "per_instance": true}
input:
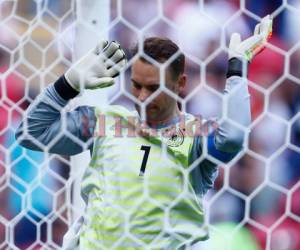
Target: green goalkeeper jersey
{"points": [[138, 190]]}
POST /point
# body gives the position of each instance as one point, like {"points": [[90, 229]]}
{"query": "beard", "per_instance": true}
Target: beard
{"points": [[152, 111]]}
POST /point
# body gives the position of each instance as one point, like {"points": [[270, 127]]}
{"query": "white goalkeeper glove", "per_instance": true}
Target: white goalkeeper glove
{"points": [[250, 47], [97, 68]]}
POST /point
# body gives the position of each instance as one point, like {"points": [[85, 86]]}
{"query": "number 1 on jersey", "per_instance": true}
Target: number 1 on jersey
{"points": [[145, 159]]}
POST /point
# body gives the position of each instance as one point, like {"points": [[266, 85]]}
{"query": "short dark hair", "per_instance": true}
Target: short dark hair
{"points": [[161, 49]]}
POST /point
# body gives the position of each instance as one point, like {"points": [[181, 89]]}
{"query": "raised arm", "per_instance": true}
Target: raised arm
{"points": [[46, 127], [227, 140], [229, 136]]}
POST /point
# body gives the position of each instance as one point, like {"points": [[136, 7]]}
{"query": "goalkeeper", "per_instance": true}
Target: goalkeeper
{"points": [[139, 195]]}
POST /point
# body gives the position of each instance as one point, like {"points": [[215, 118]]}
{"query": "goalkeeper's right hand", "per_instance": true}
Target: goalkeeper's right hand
{"points": [[97, 68]]}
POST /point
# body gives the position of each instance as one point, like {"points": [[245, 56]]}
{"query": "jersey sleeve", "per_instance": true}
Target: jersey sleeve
{"points": [[204, 172], [233, 128], [47, 127], [227, 139]]}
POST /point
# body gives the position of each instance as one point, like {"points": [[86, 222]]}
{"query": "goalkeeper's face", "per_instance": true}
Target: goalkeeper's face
{"points": [[146, 81]]}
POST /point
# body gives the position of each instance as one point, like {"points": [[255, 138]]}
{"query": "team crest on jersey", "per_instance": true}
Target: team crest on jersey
{"points": [[174, 138]]}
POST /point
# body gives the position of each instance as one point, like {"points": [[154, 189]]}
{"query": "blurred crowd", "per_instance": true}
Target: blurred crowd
{"points": [[258, 191]]}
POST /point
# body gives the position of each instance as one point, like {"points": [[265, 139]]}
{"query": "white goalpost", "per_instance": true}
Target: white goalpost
{"points": [[92, 22], [91, 26]]}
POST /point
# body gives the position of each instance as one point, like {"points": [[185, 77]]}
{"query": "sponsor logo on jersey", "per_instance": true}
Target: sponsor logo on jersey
{"points": [[175, 137]]}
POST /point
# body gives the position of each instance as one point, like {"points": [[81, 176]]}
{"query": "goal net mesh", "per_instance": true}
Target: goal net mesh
{"points": [[255, 201]]}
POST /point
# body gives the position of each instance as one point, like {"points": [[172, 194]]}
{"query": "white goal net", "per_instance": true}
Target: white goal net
{"points": [[255, 201]]}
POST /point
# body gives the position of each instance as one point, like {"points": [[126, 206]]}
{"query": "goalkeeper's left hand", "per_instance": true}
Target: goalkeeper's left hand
{"points": [[250, 47]]}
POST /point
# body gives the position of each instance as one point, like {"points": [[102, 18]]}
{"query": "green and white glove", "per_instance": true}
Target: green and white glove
{"points": [[250, 47], [97, 68]]}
